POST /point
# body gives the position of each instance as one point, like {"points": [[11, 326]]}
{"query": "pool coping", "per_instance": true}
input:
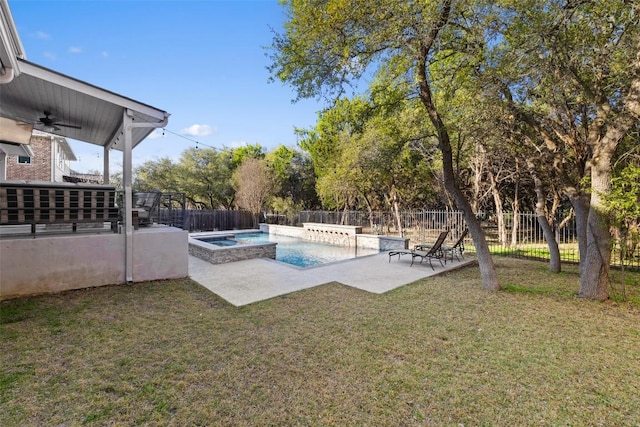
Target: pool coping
{"points": [[249, 281]]}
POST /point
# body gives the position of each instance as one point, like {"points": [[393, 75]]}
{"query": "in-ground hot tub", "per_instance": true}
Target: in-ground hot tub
{"points": [[224, 241], [219, 248]]}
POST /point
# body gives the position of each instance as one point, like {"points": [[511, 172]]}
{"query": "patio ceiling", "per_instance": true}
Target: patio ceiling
{"points": [[98, 112]]}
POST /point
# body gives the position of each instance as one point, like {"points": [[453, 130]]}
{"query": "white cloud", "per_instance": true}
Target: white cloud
{"points": [[41, 35], [50, 55], [198, 130], [104, 54], [75, 49]]}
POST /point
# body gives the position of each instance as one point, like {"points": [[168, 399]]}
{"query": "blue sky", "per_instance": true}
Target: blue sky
{"points": [[203, 61]]}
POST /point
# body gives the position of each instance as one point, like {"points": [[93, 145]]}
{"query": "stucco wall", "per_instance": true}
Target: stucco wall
{"points": [[56, 263]]}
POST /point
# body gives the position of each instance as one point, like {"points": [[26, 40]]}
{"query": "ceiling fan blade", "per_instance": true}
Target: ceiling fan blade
{"points": [[67, 126]]}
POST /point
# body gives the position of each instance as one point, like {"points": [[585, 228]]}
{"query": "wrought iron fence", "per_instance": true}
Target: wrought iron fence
{"points": [[522, 239]]}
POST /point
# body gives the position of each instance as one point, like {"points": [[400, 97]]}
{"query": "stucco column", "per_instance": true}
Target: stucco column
{"points": [[105, 166], [128, 195]]}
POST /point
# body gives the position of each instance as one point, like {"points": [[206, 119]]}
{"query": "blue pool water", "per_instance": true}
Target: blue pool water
{"points": [[304, 253], [220, 241]]}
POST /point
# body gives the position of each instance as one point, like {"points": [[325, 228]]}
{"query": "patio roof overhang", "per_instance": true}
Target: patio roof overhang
{"points": [[98, 113]]}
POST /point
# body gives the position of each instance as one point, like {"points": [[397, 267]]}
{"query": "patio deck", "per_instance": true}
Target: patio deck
{"points": [[245, 282]]}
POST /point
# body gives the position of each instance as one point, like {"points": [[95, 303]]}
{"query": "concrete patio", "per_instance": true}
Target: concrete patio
{"points": [[245, 282]]}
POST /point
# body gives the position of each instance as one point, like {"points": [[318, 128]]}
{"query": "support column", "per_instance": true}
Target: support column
{"points": [[127, 172], [127, 121], [105, 166]]}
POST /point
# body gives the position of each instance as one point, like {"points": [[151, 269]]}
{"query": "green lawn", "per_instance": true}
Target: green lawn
{"points": [[438, 352]]}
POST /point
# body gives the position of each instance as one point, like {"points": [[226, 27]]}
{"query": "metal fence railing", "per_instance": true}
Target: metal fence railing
{"points": [[524, 239]]}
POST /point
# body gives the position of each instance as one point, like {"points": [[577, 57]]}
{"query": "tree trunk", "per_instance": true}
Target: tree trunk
{"points": [[396, 212], [497, 200], [478, 169], [547, 230], [515, 208], [594, 275], [580, 203], [487, 268]]}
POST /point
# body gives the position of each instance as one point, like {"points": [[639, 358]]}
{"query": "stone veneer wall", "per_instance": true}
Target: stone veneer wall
{"points": [[383, 243], [283, 230], [350, 233], [224, 254]]}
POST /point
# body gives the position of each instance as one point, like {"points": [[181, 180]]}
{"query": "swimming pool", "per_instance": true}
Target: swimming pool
{"points": [[294, 251]]}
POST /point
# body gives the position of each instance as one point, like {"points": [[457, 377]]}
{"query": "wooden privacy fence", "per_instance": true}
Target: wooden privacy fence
{"points": [[216, 220]]}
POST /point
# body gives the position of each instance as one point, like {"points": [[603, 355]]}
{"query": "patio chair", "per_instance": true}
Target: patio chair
{"points": [[145, 205], [457, 249], [434, 251]]}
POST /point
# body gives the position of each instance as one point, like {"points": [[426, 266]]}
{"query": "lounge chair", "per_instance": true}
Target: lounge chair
{"points": [[434, 251], [146, 204], [457, 249]]}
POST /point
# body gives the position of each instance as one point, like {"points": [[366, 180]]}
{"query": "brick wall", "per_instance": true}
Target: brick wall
{"points": [[40, 167]]}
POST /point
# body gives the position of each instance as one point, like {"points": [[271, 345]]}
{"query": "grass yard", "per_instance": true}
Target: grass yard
{"points": [[438, 352]]}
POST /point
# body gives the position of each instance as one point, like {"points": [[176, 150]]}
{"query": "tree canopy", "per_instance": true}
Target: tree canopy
{"points": [[566, 73]]}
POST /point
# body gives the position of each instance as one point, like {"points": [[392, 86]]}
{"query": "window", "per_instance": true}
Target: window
{"points": [[24, 160]]}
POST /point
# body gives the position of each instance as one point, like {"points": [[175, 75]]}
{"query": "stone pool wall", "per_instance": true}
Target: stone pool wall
{"points": [[220, 255], [383, 243]]}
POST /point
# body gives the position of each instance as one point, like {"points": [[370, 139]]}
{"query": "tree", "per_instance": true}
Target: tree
{"points": [[240, 154], [205, 177], [161, 174], [254, 185], [330, 45], [622, 206], [571, 71], [294, 176]]}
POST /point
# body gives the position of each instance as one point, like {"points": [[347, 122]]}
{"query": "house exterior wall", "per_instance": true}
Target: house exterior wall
{"points": [[3, 166], [40, 167], [61, 164], [49, 161]]}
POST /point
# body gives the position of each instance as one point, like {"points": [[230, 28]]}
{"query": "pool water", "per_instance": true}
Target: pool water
{"points": [[220, 241], [304, 253]]}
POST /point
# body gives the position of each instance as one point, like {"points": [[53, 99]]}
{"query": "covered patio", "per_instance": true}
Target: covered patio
{"points": [[83, 112]]}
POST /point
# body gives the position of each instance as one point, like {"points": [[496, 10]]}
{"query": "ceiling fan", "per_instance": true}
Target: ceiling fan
{"points": [[54, 123]]}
